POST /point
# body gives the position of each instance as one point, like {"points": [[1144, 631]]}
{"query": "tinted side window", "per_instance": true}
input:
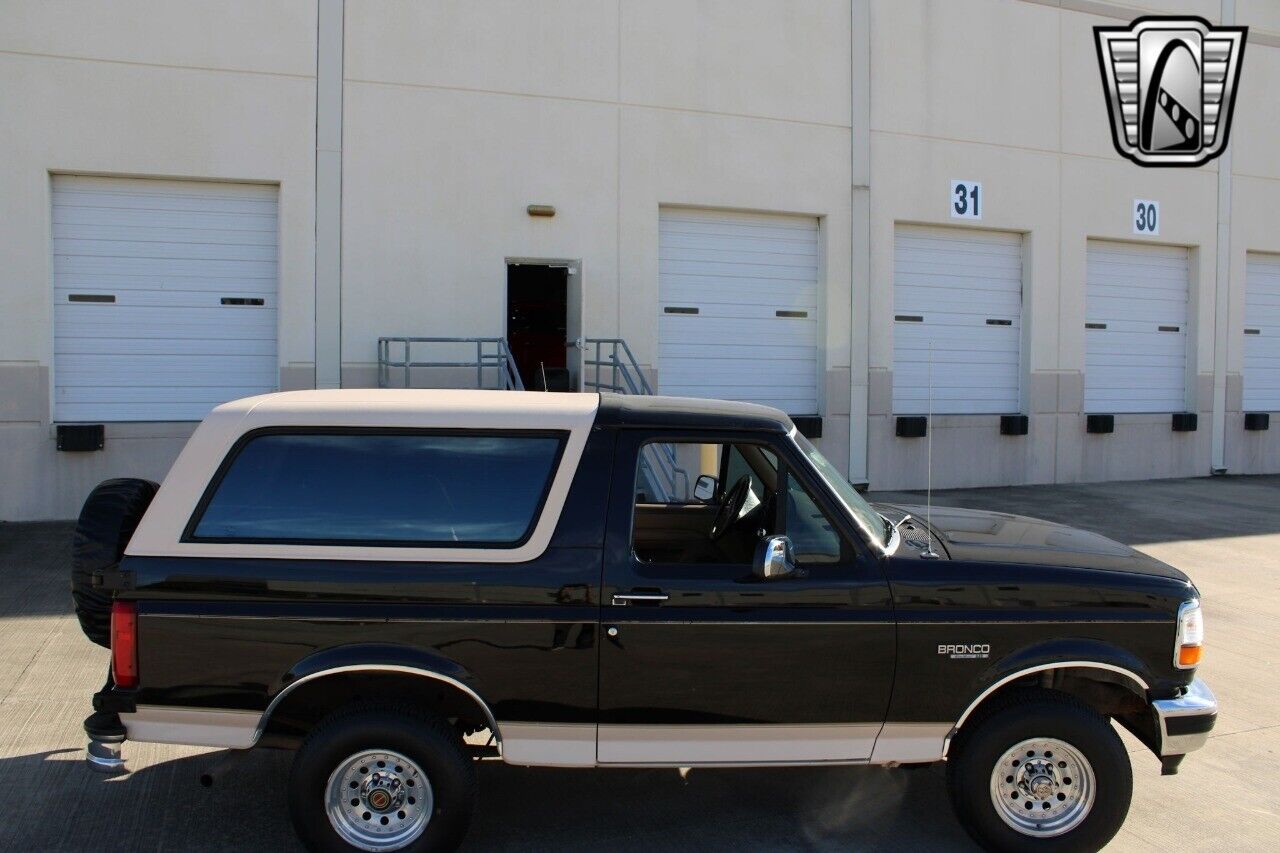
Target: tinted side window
{"points": [[380, 488], [813, 537]]}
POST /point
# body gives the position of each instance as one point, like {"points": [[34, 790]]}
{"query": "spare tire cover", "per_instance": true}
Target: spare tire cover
{"points": [[110, 515]]}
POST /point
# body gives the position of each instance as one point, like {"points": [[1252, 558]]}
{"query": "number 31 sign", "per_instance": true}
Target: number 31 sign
{"points": [[966, 200]]}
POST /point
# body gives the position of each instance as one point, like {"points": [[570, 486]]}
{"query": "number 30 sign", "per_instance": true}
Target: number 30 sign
{"points": [[966, 200], [1146, 216]]}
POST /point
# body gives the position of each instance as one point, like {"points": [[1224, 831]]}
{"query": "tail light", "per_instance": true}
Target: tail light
{"points": [[124, 643], [1190, 641]]}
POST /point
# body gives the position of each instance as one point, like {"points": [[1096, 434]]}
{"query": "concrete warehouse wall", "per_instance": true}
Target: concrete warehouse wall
{"points": [[457, 115]]}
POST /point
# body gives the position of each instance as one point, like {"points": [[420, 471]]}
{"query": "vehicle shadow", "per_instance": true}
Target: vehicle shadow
{"points": [[64, 806]]}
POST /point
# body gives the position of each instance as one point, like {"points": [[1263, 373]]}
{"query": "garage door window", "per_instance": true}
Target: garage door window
{"points": [[957, 304], [415, 489]]}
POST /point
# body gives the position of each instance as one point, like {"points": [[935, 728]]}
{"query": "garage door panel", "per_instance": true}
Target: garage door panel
{"points": [[764, 314], [1132, 365], [89, 283], [726, 372], [163, 394], [947, 284], [117, 320], [1136, 309], [165, 348], [684, 291], [751, 242], [763, 226], [126, 299], [163, 249], [777, 270], [118, 371], [1118, 377], [728, 330], [735, 351], [764, 342], [693, 247], [149, 411], [927, 301], [918, 337], [1262, 347], [168, 346], [978, 267], [165, 196], [738, 270], [136, 221], [162, 235], [915, 370], [164, 267]]}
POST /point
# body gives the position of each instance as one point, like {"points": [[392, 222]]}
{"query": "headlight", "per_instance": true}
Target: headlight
{"points": [[1186, 654]]}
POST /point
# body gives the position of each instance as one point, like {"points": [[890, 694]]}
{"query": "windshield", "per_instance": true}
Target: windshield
{"points": [[871, 522]]}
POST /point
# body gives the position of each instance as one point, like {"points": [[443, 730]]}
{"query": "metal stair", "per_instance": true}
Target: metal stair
{"points": [[493, 364], [609, 365]]}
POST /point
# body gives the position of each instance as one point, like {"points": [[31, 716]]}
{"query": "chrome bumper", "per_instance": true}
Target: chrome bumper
{"points": [[1185, 722]]}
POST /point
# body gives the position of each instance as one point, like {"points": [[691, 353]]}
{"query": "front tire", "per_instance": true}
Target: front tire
{"points": [[382, 778], [1042, 772]]}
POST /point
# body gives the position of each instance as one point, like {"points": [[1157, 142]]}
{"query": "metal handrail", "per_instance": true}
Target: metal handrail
{"points": [[621, 371], [498, 359], [658, 464]]}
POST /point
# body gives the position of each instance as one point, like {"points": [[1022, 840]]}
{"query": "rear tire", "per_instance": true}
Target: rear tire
{"points": [[107, 521], [382, 777], [1041, 772]]}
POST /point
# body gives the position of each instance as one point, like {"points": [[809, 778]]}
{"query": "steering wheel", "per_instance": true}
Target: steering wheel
{"points": [[734, 500]]}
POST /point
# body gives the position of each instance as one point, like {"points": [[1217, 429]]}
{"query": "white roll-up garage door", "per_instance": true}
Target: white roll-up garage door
{"points": [[1135, 328], [957, 303], [164, 297], [738, 307], [1262, 334]]}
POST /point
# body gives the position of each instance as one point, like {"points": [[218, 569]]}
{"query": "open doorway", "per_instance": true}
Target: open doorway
{"points": [[543, 314]]}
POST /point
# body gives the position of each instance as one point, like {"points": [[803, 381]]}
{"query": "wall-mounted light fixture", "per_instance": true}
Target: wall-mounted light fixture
{"points": [[541, 210]]}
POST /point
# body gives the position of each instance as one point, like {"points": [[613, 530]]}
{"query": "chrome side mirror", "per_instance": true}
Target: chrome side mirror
{"points": [[774, 559], [704, 489]]}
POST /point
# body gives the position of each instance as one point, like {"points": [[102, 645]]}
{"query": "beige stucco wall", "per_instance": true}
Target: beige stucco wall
{"points": [[607, 112], [1027, 120], [457, 115], [182, 90]]}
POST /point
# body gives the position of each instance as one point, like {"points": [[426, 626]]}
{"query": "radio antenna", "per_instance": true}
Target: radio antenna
{"points": [[928, 553]]}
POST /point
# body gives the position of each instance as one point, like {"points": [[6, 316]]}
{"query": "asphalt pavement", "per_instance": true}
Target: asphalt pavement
{"points": [[1224, 532]]}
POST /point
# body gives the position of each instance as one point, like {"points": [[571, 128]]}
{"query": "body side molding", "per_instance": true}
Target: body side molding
{"points": [[223, 727], [1032, 670], [400, 668]]}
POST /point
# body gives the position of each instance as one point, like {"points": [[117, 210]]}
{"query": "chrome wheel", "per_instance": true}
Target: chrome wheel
{"points": [[1043, 787], [379, 800]]}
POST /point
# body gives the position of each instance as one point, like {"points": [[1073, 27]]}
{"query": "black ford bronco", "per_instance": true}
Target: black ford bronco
{"points": [[399, 583]]}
